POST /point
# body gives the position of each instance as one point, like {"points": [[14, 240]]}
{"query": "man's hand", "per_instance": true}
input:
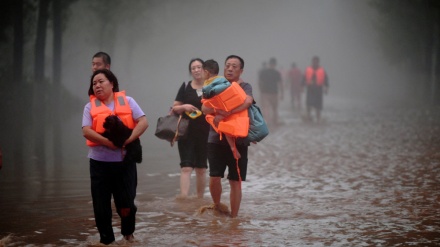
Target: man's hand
{"points": [[223, 113], [217, 119]]}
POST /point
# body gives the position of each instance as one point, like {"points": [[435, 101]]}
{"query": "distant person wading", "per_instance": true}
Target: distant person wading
{"points": [[271, 90], [316, 82]]}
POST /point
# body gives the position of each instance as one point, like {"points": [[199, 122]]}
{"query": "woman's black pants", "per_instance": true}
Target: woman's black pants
{"points": [[120, 180]]}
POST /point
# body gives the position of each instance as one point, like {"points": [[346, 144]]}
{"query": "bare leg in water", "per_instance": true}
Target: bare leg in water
{"points": [[235, 197], [200, 181], [215, 187], [185, 176]]}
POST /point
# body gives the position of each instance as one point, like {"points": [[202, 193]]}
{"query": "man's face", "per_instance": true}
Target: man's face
{"points": [[98, 63], [232, 70]]}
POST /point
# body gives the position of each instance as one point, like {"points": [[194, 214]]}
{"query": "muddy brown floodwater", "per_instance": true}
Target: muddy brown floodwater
{"points": [[367, 176]]}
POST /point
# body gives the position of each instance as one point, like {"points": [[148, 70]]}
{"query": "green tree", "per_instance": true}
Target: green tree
{"points": [[40, 103], [33, 97], [12, 83]]}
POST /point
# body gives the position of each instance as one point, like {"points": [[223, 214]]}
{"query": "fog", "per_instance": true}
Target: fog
{"points": [[323, 171], [150, 52], [152, 42]]}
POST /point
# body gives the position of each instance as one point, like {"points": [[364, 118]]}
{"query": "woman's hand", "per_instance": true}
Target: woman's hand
{"points": [[141, 126], [190, 108], [95, 137], [179, 108], [110, 145]]}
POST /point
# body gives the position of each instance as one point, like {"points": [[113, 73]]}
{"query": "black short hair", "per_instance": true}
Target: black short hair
{"points": [[105, 57], [211, 66], [237, 57], [109, 75]]}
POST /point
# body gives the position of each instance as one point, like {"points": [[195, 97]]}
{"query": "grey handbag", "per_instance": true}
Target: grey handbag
{"points": [[171, 128]]}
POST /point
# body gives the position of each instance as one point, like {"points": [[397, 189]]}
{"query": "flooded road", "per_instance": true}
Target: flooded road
{"points": [[367, 176]]}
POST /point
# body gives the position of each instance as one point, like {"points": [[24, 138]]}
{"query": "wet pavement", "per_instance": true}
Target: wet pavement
{"points": [[367, 176]]}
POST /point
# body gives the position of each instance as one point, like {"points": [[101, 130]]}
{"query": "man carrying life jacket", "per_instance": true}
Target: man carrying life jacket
{"points": [[220, 155], [222, 96], [316, 82]]}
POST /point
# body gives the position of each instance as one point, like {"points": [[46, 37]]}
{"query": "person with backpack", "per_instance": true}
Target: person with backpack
{"points": [[220, 155]]}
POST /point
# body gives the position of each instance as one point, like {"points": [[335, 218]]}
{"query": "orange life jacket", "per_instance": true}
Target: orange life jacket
{"points": [[99, 111], [237, 124], [319, 76], [227, 100]]}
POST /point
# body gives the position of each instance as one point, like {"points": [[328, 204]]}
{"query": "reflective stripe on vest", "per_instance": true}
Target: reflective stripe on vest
{"points": [[99, 111], [319, 76]]}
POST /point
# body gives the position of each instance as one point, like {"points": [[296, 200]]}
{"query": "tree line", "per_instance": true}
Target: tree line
{"points": [[31, 97], [409, 32]]}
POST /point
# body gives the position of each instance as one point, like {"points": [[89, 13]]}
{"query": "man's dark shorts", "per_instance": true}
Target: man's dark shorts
{"points": [[220, 156]]}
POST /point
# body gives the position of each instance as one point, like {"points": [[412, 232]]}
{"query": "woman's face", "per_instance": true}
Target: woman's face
{"points": [[197, 70], [102, 87]]}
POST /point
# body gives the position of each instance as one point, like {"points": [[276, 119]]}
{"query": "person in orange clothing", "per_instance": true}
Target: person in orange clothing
{"points": [[316, 82]]}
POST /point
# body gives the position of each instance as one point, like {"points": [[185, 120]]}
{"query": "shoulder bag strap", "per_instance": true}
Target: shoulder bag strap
{"points": [[177, 131]]}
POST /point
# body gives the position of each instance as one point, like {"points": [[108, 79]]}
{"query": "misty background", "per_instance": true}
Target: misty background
{"points": [[368, 48]]}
